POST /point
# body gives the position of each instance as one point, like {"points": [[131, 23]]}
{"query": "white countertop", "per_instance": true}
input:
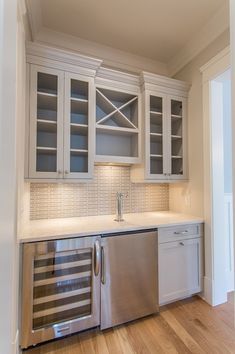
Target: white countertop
{"points": [[49, 229]]}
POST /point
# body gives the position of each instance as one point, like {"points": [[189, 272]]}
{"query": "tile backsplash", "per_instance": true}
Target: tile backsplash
{"points": [[98, 197]]}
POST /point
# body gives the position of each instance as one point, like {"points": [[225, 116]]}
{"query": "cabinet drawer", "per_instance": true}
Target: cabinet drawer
{"points": [[175, 233]]}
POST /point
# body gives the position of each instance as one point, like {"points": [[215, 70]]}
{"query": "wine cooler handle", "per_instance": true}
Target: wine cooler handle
{"points": [[103, 279], [97, 257]]}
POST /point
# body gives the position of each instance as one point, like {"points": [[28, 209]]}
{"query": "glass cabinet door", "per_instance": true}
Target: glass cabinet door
{"points": [[155, 131], [177, 138], [46, 86], [78, 126]]}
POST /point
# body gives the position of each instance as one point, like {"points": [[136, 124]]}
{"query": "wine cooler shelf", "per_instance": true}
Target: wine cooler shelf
{"points": [[61, 287]]}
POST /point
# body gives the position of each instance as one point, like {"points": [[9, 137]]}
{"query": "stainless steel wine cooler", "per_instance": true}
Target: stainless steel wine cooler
{"points": [[60, 288]]}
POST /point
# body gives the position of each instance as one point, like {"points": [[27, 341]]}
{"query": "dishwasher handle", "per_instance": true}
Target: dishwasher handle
{"points": [[97, 257], [103, 278]]}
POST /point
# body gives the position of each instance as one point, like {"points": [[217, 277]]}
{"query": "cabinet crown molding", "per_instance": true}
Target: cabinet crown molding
{"points": [[151, 81], [110, 74], [117, 79], [37, 53]]}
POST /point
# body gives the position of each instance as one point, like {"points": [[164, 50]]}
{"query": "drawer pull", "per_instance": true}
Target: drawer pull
{"points": [[181, 232], [181, 244], [63, 329]]}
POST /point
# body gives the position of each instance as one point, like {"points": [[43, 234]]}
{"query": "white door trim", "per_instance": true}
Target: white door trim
{"points": [[213, 292]]}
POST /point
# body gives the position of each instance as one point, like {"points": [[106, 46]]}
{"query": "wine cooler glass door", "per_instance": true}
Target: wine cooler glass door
{"points": [[63, 295]]}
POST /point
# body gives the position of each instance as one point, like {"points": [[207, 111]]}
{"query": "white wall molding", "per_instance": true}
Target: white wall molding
{"points": [[216, 64], [218, 24], [158, 83], [215, 267], [118, 80], [111, 57], [15, 344], [232, 41], [61, 59], [228, 209], [207, 291], [22, 9], [35, 16], [110, 74]]}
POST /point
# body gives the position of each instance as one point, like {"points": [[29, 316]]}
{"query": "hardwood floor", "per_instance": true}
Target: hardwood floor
{"points": [[188, 326]]}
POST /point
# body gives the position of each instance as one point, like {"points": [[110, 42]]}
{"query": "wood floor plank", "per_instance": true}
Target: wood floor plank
{"points": [[99, 344], [169, 340], [143, 339], [112, 341], [218, 330], [122, 336], [189, 326], [196, 329], [189, 341]]}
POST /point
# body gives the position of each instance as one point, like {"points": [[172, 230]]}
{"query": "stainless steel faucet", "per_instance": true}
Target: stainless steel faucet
{"points": [[119, 206]]}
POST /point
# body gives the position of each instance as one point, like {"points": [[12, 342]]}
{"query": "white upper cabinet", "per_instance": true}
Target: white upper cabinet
{"points": [[60, 134], [164, 136], [81, 114], [61, 124]]}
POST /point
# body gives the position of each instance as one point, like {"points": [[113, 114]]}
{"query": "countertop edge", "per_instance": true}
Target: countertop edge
{"points": [[22, 240]]}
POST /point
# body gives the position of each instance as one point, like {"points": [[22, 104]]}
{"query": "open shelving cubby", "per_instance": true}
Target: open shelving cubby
{"points": [[78, 126], [117, 127]]}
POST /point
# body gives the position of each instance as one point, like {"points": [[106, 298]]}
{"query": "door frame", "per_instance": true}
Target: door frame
{"points": [[214, 293]]}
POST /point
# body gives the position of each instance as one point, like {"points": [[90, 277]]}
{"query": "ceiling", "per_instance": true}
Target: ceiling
{"points": [[154, 29], [159, 36]]}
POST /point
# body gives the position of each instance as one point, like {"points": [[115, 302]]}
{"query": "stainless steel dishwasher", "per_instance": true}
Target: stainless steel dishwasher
{"points": [[129, 277]]}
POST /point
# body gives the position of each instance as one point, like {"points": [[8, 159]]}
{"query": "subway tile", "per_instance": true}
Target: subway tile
{"points": [[48, 200]]}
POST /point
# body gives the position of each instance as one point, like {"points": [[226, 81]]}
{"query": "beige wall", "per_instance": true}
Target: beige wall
{"points": [[188, 197], [8, 249]]}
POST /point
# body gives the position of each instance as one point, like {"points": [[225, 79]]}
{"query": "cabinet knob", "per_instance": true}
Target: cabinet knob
{"points": [[181, 244], [66, 172], [59, 172]]}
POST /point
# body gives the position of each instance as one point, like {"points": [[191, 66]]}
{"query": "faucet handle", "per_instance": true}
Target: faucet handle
{"points": [[120, 195]]}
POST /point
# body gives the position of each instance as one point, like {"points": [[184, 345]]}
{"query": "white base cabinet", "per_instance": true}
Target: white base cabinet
{"points": [[180, 262]]}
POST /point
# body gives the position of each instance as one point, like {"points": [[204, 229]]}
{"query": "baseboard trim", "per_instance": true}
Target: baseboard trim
{"points": [[15, 345], [208, 291]]}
